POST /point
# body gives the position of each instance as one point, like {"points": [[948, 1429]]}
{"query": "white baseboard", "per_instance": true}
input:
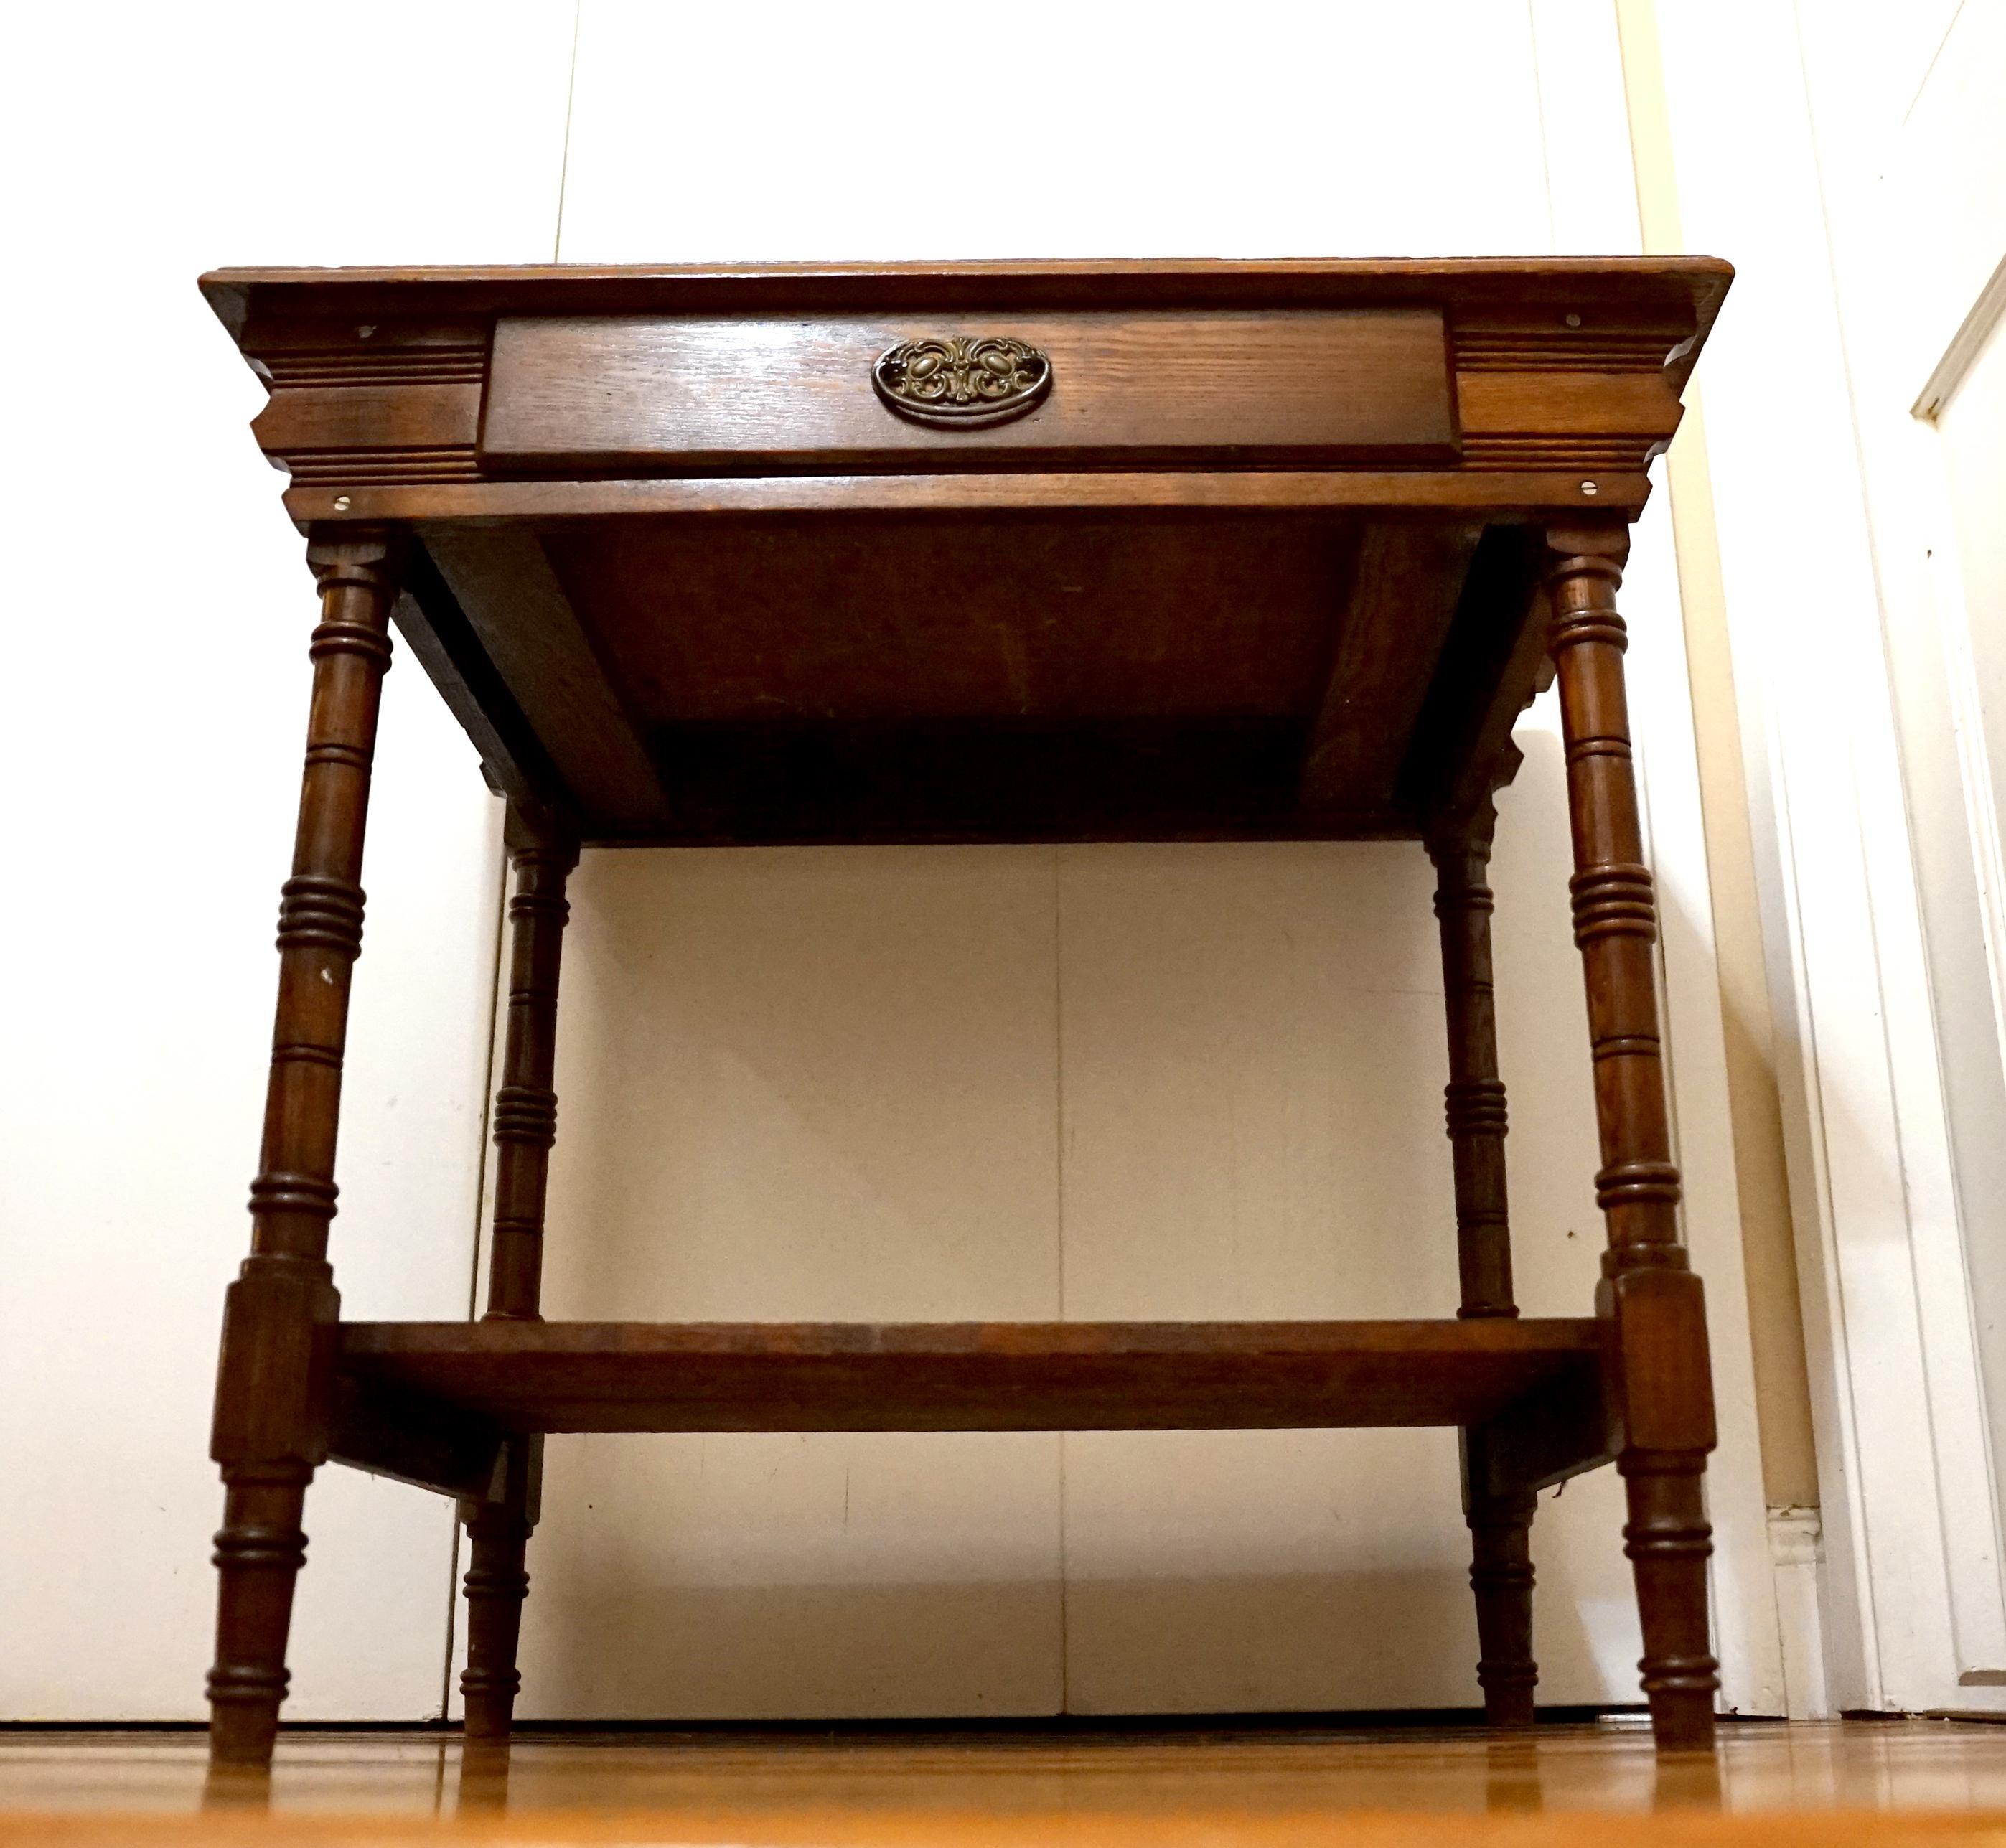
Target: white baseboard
{"points": [[1797, 1559]]}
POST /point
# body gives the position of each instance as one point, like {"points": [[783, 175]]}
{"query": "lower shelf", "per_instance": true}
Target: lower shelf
{"points": [[629, 1376]]}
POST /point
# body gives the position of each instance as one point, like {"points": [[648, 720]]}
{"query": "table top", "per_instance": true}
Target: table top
{"points": [[978, 551]]}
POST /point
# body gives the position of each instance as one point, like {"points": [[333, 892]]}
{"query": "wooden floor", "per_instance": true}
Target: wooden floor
{"points": [[1200, 1787]]}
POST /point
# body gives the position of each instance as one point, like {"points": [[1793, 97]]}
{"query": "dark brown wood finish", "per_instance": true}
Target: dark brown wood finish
{"points": [[972, 1376], [911, 678], [1474, 1100], [612, 395], [275, 1380], [1504, 495], [543, 848], [1405, 586], [1501, 1576], [1562, 367], [1512, 307], [420, 1441], [1501, 1573], [1281, 551], [498, 1524], [1650, 1300], [524, 627]]}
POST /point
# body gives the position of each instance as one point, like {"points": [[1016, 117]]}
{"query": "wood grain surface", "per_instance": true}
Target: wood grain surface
{"points": [[618, 394], [973, 1376], [1214, 1782]]}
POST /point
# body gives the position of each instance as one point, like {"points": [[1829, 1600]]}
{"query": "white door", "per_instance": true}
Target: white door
{"points": [[1852, 159]]}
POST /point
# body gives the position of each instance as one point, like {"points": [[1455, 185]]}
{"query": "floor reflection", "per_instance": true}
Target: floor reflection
{"points": [[236, 1787], [483, 1777], [1021, 1772], [1687, 1780], [1511, 1774]]}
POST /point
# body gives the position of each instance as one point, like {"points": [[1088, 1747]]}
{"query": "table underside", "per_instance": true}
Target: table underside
{"points": [[1259, 559], [1252, 673]]}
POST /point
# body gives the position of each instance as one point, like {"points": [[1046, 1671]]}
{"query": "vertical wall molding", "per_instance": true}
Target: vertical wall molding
{"points": [[1796, 1553], [1592, 184]]}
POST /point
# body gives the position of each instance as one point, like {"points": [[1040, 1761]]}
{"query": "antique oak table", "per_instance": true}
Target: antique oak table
{"points": [[1054, 551]]}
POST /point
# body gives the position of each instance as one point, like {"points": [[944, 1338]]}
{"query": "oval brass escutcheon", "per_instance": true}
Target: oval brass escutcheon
{"points": [[960, 382]]}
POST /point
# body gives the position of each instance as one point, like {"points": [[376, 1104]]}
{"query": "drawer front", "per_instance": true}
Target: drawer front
{"points": [[1281, 388]]}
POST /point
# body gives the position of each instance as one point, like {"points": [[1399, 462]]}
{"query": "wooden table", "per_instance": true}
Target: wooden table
{"points": [[1105, 551]]}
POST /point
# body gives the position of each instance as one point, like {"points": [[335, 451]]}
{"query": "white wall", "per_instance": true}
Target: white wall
{"points": [[1093, 1082], [159, 608]]}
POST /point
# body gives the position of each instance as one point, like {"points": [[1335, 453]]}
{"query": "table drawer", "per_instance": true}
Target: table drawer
{"points": [[1279, 388]]}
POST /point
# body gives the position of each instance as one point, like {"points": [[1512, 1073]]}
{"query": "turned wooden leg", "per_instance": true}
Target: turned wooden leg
{"points": [[280, 1317], [1501, 1571], [1658, 1375], [1500, 1574], [498, 1533], [544, 850]]}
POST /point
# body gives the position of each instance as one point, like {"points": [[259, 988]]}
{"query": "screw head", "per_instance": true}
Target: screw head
{"points": [[341, 502], [363, 333], [1587, 488], [1574, 320]]}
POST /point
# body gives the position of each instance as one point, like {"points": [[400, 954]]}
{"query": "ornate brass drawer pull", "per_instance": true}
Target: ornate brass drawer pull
{"points": [[962, 383]]}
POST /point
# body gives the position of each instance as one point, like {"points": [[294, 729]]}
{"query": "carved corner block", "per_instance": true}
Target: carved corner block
{"points": [[516, 1482], [274, 1399], [1658, 1373]]}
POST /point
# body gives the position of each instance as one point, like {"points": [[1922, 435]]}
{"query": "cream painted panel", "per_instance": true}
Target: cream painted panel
{"points": [[1249, 1045], [1253, 1063], [1247, 1032], [159, 611], [813, 1085]]}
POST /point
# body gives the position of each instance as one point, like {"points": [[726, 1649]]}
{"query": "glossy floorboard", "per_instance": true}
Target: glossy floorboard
{"points": [[1217, 1786]]}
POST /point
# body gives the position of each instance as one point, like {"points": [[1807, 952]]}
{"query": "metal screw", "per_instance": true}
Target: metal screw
{"points": [[363, 333], [1587, 488], [1574, 320], [341, 500]]}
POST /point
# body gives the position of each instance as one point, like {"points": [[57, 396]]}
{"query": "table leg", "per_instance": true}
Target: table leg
{"points": [[1657, 1372], [1501, 1571], [543, 850], [281, 1315], [498, 1534]]}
